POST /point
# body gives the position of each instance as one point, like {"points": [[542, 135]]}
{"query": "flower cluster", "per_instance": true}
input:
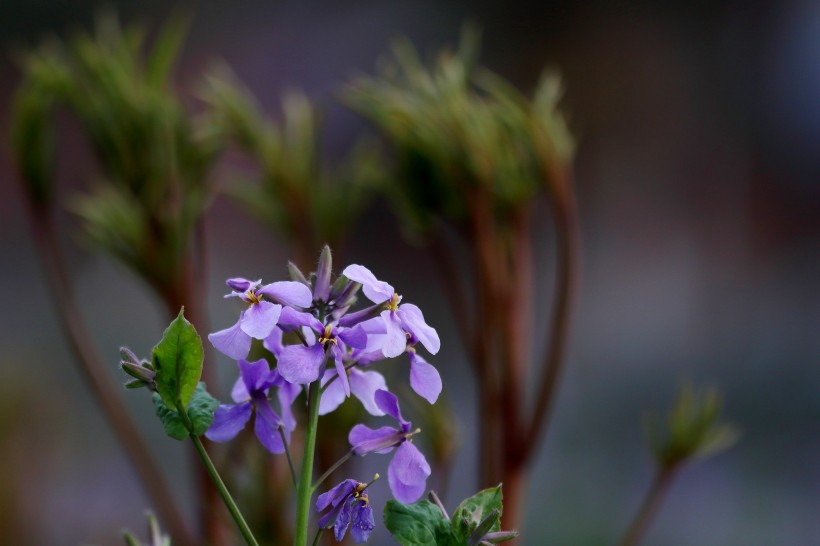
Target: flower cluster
{"points": [[311, 331]]}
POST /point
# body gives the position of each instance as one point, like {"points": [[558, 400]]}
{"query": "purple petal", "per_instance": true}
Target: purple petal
{"points": [[413, 321], [366, 440], [424, 378], [333, 395], [355, 337], [232, 341], [240, 284], [255, 375], [361, 521], [364, 385], [340, 370], [273, 342], [395, 340], [287, 393], [342, 521], [407, 473], [267, 426], [388, 403], [335, 495], [228, 421], [292, 319], [294, 294], [239, 392], [376, 291], [301, 365], [260, 319]]}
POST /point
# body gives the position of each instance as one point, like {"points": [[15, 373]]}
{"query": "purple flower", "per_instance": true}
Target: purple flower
{"points": [[348, 504], [251, 393], [302, 364], [399, 320], [363, 385], [408, 471], [261, 316]]}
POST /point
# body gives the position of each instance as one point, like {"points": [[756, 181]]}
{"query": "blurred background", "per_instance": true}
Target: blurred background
{"points": [[697, 169]]}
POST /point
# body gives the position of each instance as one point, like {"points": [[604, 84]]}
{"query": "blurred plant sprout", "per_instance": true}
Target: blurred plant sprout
{"points": [[692, 430], [295, 194], [156, 536], [472, 156]]}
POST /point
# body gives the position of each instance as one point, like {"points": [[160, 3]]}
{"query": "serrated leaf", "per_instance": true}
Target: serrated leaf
{"points": [[177, 358], [474, 509], [200, 412], [420, 524]]}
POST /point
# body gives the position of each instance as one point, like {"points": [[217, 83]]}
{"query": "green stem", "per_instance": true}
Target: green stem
{"points": [[287, 452], [332, 469], [305, 488], [217, 479], [316, 538]]}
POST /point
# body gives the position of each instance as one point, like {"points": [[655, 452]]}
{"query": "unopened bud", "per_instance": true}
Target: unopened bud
{"points": [[238, 284], [321, 287], [296, 275]]}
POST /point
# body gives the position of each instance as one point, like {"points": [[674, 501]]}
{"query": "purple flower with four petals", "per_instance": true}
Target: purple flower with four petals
{"points": [[408, 471], [251, 393], [348, 504], [261, 316]]}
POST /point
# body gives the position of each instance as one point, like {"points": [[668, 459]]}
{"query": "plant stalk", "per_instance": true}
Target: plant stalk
{"points": [[650, 506], [305, 488]]}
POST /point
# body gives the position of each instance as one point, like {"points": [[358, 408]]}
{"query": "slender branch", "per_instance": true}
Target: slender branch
{"points": [[304, 490], [217, 481], [318, 535], [287, 453], [650, 505], [332, 469], [98, 378], [568, 256]]}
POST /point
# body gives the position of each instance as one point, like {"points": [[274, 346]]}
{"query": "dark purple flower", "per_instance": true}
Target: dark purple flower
{"points": [[408, 470], [400, 320], [251, 395], [261, 316], [348, 505]]}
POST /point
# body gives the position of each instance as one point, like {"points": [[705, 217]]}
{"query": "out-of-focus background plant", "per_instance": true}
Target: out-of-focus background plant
{"points": [[694, 178]]}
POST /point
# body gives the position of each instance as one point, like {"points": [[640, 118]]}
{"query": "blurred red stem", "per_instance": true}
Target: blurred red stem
{"points": [[97, 377], [651, 504]]}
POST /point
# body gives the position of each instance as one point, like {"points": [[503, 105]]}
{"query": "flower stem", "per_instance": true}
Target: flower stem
{"points": [[316, 538], [220, 485], [651, 503], [304, 490], [332, 469], [287, 453]]}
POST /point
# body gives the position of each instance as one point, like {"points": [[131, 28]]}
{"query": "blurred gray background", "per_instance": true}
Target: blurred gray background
{"points": [[697, 169]]}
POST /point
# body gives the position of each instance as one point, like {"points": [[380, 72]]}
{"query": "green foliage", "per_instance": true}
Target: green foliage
{"points": [[692, 429], [475, 521], [420, 524], [177, 361], [294, 194], [154, 161], [200, 412], [460, 130], [474, 510]]}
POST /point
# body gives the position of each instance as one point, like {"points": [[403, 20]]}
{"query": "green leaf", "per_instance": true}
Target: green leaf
{"points": [[474, 509], [178, 362], [200, 412], [420, 524]]}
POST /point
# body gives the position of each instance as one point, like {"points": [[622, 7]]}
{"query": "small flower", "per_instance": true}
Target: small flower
{"points": [[302, 364], [251, 393], [348, 505], [363, 385], [261, 316], [408, 471], [400, 320]]}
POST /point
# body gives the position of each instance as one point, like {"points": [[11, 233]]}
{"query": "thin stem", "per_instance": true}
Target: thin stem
{"points": [[97, 376], [287, 453], [332, 469], [318, 535], [651, 503], [304, 490], [220, 485], [568, 233]]}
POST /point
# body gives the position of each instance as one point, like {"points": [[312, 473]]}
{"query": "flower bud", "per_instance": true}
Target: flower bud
{"points": [[321, 287], [296, 275]]}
